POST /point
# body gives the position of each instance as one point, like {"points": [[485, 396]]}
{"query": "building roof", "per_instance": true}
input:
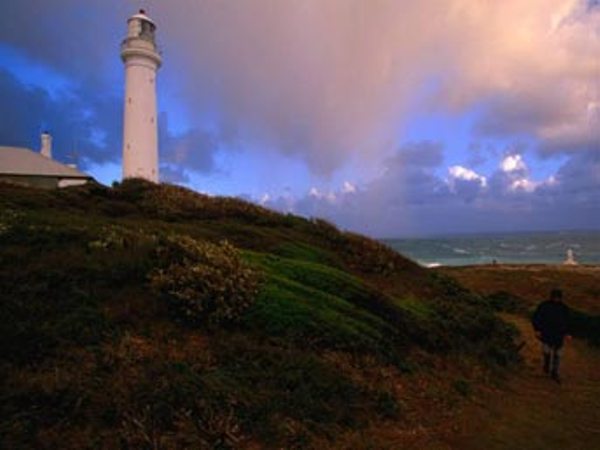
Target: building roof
{"points": [[22, 161]]}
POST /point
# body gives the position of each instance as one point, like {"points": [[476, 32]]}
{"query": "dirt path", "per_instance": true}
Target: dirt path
{"points": [[534, 412]]}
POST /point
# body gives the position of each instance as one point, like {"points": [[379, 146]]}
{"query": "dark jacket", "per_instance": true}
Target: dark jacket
{"points": [[551, 319]]}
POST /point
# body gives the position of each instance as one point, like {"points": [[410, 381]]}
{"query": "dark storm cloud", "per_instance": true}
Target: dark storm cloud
{"points": [[580, 178], [80, 131], [89, 132], [193, 149], [77, 38], [468, 190], [170, 173]]}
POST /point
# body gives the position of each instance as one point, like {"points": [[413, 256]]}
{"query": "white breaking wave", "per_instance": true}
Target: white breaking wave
{"points": [[461, 251]]}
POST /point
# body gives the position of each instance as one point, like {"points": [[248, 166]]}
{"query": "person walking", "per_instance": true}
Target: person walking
{"points": [[551, 324]]}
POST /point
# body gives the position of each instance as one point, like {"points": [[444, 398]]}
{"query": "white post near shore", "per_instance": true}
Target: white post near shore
{"points": [[570, 261]]}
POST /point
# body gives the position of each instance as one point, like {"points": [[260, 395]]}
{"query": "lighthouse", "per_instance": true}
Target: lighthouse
{"points": [[142, 59]]}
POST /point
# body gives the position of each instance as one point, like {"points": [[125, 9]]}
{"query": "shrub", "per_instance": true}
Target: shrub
{"points": [[460, 325], [132, 190], [288, 395], [176, 203], [371, 256], [168, 201], [204, 282], [585, 326], [463, 387], [7, 219], [326, 230], [359, 252], [505, 301]]}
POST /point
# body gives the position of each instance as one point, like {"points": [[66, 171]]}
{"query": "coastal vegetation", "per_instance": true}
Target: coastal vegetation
{"points": [[150, 316]]}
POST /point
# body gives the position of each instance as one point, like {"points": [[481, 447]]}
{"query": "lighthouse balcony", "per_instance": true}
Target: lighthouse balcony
{"points": [[140, 41], [140, 47]]}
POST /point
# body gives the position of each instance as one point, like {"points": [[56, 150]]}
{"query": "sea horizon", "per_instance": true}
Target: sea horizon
{"points": [[512, 247]]}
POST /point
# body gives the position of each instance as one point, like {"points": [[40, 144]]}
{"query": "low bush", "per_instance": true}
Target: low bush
{"points": [[506, 302], [585, 326], [204, 283], [371, 256], [287, 396], [176, 203], [361, 253], [459, 325]]}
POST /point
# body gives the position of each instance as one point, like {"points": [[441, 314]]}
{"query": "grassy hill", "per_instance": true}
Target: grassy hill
{"points": [[150, 316]]}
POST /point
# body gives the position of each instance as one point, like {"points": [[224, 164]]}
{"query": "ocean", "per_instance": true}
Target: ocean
{"points": [[509, 248]]}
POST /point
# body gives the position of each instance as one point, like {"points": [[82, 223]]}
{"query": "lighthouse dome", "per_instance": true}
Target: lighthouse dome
{"points": [[141, 15]]}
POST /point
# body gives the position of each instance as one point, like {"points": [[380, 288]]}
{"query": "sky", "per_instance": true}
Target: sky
{"points": [[387, 117]]}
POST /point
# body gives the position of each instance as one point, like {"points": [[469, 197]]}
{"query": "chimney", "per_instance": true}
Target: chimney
{"points": [[46, 145]]}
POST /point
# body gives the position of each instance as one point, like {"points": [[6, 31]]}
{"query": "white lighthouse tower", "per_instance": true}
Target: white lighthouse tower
{"points": [[141, 57]]}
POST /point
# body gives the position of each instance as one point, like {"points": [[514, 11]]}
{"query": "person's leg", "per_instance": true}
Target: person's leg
{"points": [[547, 352], [556, 354]]}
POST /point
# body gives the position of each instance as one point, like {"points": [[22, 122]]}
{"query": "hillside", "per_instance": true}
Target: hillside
{"points": [[150, 316], [530, 411]]}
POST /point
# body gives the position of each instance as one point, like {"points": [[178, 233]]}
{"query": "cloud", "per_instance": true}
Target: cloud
{"points": [[192, 150], [170, 173], [329, 80], [79, 134], [334, 84], [580, 177], [464, 174], [513, 163], [418, 154], [332, 81], [465, 182], [348, 188], [531, 71], [410, 199]]}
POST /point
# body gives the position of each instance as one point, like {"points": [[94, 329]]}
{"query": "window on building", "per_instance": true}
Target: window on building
{"points": [[147, 30]]}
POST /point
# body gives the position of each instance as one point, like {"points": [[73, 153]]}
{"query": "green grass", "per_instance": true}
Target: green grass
{"points": [[306, 252], [316, 305], [417, 308]]}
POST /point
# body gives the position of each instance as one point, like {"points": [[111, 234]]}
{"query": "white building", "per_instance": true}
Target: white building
{"points": [[142, 59], [25, 167]]}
